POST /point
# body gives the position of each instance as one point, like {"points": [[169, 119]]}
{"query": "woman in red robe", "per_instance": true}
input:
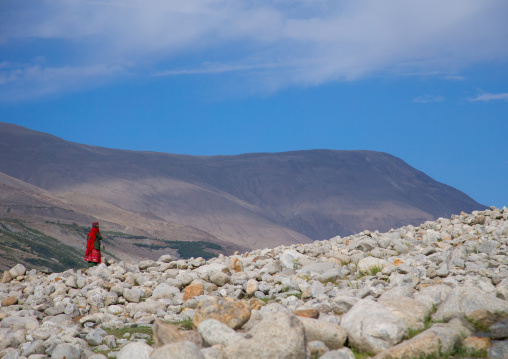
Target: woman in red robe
{"points": [[93, 248]]}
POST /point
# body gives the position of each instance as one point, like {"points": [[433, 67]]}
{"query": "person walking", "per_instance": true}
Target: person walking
{"points": [[93, 246]]}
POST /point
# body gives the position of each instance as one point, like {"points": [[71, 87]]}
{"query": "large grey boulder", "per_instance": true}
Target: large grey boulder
{"points": [[35, 347], [464, 301], [15, 323], [214, 332], [136, 350], [332, 335], [180, 350], [66, 351], [412, 312], [372, 328], [278, 335], [499, 350], [433, 296], [440, 338]]}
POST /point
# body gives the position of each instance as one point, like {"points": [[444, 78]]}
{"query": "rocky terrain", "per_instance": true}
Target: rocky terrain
{"points": [[439, 290]]}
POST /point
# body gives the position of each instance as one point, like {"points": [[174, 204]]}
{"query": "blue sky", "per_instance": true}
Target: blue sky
{"points": [[426, 81]]}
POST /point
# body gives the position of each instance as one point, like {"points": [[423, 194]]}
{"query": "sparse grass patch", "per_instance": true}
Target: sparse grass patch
{"points": [[119, 333], [306, 277], [186, 324], [265, 300], [361, 355], [330, 280], [371, 271], [297, 294]]}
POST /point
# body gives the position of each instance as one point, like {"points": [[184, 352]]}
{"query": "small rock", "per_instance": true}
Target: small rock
{"points": [[193, 290], [218, 278], [499, 330], [252, 286], [6, 277], [307, 313], [476, 344], [499, 350], [144, 265], [9, 301], [133, 295], [317, 348], [166, 258]]}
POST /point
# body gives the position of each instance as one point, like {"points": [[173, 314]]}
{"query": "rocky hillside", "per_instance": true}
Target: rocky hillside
{"points": [[249, 201], [439, 290]]}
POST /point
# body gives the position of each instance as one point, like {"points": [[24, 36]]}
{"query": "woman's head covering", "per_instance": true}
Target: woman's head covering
{"points": [[95, 224]]}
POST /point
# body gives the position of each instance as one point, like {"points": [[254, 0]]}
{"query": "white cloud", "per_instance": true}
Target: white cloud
{"points": [[487, 97], [428, 98], [304, 42]]}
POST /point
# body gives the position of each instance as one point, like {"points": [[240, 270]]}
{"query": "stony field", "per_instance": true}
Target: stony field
{"points": [[435, 291]]}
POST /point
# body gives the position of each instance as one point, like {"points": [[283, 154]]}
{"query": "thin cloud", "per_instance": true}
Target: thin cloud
{"points": [[304, 43], [214, 69], [19, 82], [487, 97], [428, 99], [455, 78]]}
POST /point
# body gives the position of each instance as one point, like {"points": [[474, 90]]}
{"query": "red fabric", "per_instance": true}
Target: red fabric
{"points": [[92, 254]]}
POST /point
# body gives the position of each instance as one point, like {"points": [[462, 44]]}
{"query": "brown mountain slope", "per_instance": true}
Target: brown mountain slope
{"points": [[252, 200], [39, 228]]}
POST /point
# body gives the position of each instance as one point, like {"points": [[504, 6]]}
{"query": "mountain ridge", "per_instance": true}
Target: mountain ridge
{"points": [[250, 200]]}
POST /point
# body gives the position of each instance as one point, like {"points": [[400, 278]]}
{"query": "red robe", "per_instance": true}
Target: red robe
{"points": [[92, 254]]}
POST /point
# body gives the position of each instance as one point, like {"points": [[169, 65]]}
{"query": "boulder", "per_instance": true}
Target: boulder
{"points": [[164, 333], [17, 270], [440, 338], [464, 301], [214, 332], [180, 350], [278, 335], [410, 311], [136, 350], [66, 351], [372, 328], [332, 335], [233, 313]]}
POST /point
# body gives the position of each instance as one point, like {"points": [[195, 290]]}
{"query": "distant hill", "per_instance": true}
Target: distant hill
{"points": [[248, 201]]}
